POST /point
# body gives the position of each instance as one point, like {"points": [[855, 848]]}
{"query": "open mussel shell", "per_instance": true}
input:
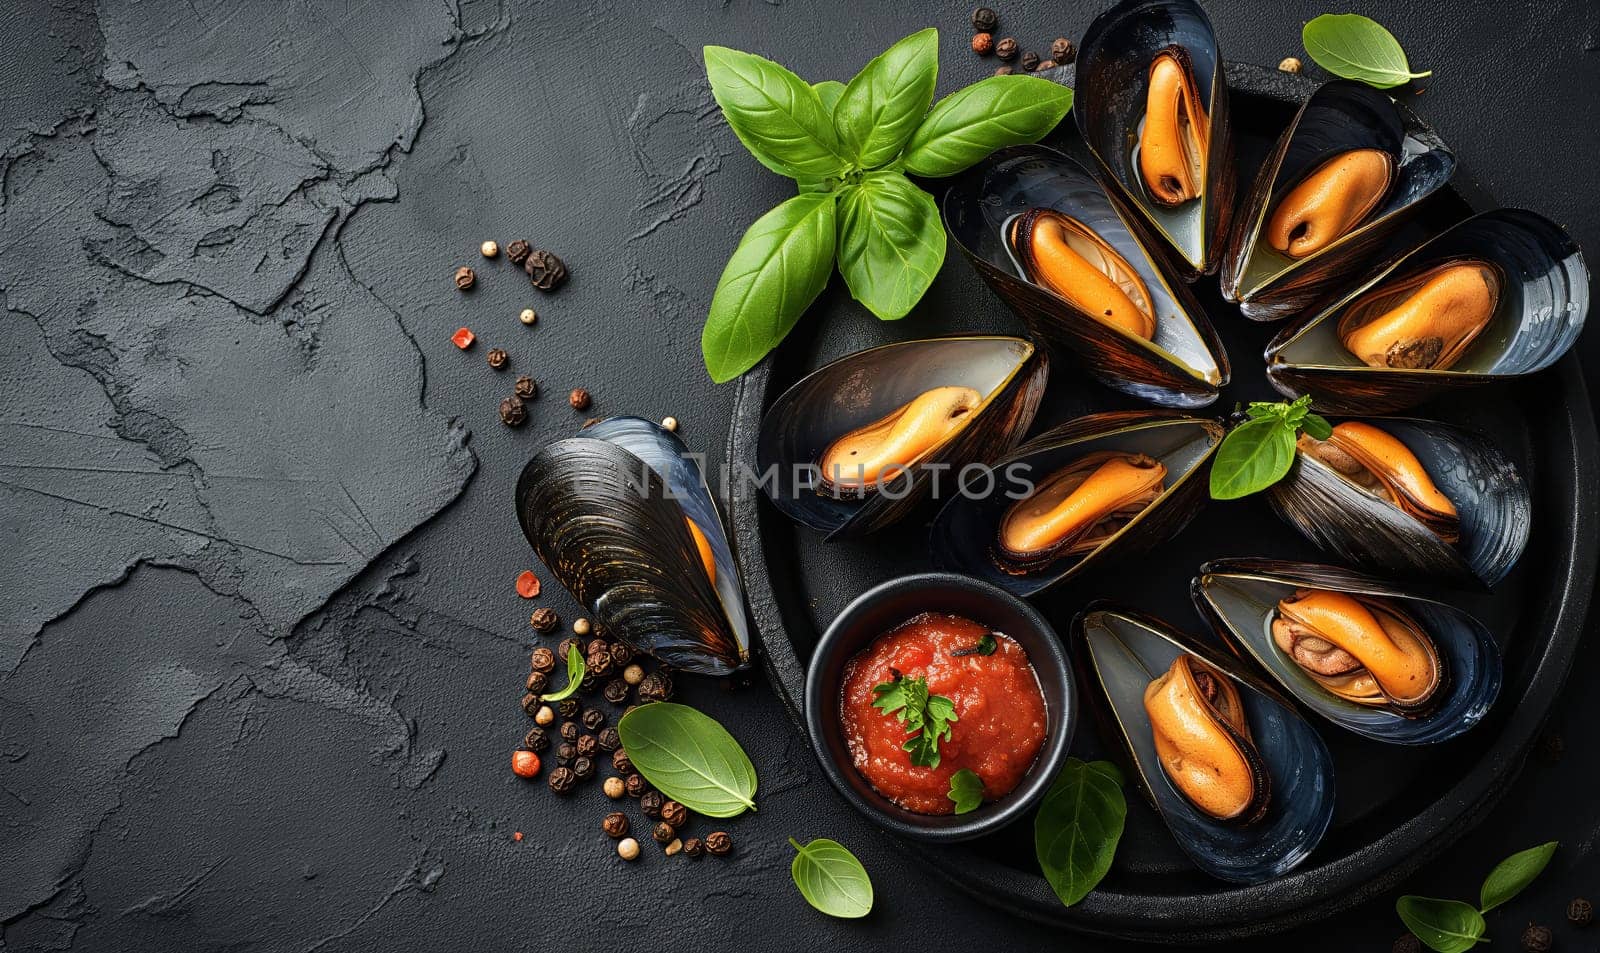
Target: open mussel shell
{"points": [[1126, 651], [965, 536], [1340, 117], [1113, 107], [1543, 300], [1239, 597], [1377, 531], [608, 512], [1182, 365], [851, 393]]}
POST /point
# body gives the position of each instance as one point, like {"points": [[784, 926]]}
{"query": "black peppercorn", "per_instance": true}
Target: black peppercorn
{"points": [[719, 844], [537, 683], [530, 704], [616, 691], [588, 682], [569, 731], [663, 833], [694, 847], [579, 399], [619, 760], [656, 687], [542, 659], [545, 270], [594, 719], [620, 654], [597, 647], [526, 388], [674, 813], [635, 785], [598, 664], [586, 745], [1006, 49], [536, 739], [650, 803], [583, 768], [1537, 939], [615, 824], [984, 20], [562, 780], [1061, 50], [1407, 943], [565, 646], [609, 740], [565, 752], [569, 708], [1030, 61], [465, 278], [1580, 912], [513, 412], [544, 620], [497, 358], [518, 251]]}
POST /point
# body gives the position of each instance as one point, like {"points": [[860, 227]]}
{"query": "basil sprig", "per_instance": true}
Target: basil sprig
{"points": [[849, 147], [1260, 451], [1352, 46], [575, 671], [1078, 827], [831, 879], [1451, 926]]}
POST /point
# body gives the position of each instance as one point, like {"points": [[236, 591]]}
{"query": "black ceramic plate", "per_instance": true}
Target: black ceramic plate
{"points": [[1397, 807]]}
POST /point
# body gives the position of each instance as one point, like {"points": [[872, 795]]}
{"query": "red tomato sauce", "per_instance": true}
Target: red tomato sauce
{"points": [[1000, 711]]}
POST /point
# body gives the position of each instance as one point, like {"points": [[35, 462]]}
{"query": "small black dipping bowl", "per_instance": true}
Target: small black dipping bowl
{"points": [[884, 608]]}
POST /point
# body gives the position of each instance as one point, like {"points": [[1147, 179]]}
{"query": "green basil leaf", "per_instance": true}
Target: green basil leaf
{"points": [[1447, 926], [1252, 457], [690, 758], [575, 670], [891, 243], [1359, 48], [1511, 875], [831, 879], [966, 790], [992, 113], [775, 113], [1317, 426], [887, 99], [1076, 831], [781, 265], [829, 91]]}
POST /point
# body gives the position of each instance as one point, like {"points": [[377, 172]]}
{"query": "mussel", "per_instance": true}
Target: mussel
{"points": [[622, 516], [1056, 248], [1498, 296], [1111, 483], [1381, 662], [1151, 104], [1244, 783], [1409, 497], [1343, 176], [857, 444]]}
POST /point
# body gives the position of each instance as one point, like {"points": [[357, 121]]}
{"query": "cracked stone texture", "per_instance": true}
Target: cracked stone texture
{"points": [[258, 675]]}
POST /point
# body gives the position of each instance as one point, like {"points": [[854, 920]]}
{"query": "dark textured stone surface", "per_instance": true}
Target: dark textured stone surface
{"points": [[258, 675]]}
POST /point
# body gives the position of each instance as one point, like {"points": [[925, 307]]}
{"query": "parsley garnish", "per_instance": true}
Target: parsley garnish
{"points": [[927, 717], [966, 790]]}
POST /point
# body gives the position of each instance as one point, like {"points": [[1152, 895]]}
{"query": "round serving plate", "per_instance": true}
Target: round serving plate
{"points": [[1397, 806]]}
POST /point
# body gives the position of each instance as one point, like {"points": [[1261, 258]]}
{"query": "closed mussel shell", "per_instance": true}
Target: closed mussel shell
{"points": [[966, 535], [1122, 652], [1241, 599], [1477, 537], [622, 516], [1181, 364], [1540, 299], [1006, 376], [1355, 209], [1118, 110]]}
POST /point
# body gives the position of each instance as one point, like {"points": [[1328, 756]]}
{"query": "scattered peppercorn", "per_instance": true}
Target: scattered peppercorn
{"points": [[628, 849], [614, 788], [537, 683], [526, 388], [1047, 64], [569, 708], [497, 358], [1030, 61], [530, 703], [1003, 71], [1408, 943], [719, 844], [1006, 49], [1537, 939], [512, 412], [583, 768], [517, 251], [545, 270], [463, 338], [537, 739], [565, 752], [656, 687], [633, 674], [516, 836], [650, 803], [984, 20], [524, 763], [594, 719], [587, 746], [615, 824], [983, 43], [582, 626], [636, 785], [542, 659], [528, 316], [609, 740], [1580, 912], [620, 654], [565, 646], [620, 761], [674, 813], [1061, 50], [544, 620], [527, 585], [599, 664], [663, 833], [579, 399], [670, 424], [673, 847], [1289, 64], [545, 716], [569, 731], [465, 278], [562, 780], [694, 847], [489, 249], [616, 691]]}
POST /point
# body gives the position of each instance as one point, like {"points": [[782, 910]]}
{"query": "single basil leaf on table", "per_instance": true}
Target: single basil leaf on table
{"points": [[776, 114], [781, 265], [891, 243], [1252, 457], [966, 790], [831, 879], [575, 670], [1079, 824], [992, 113], [829, 91], [690, 758], [1355, 47], [1513, 874], [886, 100], [1446, 926]]}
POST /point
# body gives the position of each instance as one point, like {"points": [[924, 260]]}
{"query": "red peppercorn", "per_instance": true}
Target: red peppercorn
{"points": [[516, 836], [463, 338], [524, 764], [983, 43], [527, 584]]}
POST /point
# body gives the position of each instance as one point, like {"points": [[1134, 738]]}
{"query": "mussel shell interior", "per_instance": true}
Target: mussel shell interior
{"points": [[1241, 597], [1016, 180], [964, 534], [1126, 651], [1113, 80], [867, 385], [1490, 497], [1340, 116]]}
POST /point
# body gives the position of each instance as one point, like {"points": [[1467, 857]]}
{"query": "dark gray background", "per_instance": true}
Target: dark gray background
{"points": [[259, 648]]}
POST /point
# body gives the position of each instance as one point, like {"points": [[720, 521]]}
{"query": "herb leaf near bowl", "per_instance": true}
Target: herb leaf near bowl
{"points": [[831, 879], [1512, 875], [927, 717], [1260, 451], [690, 758], [1451, 926], [1078, 827], [966, 790], [1352, 46], [575, 670]]}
